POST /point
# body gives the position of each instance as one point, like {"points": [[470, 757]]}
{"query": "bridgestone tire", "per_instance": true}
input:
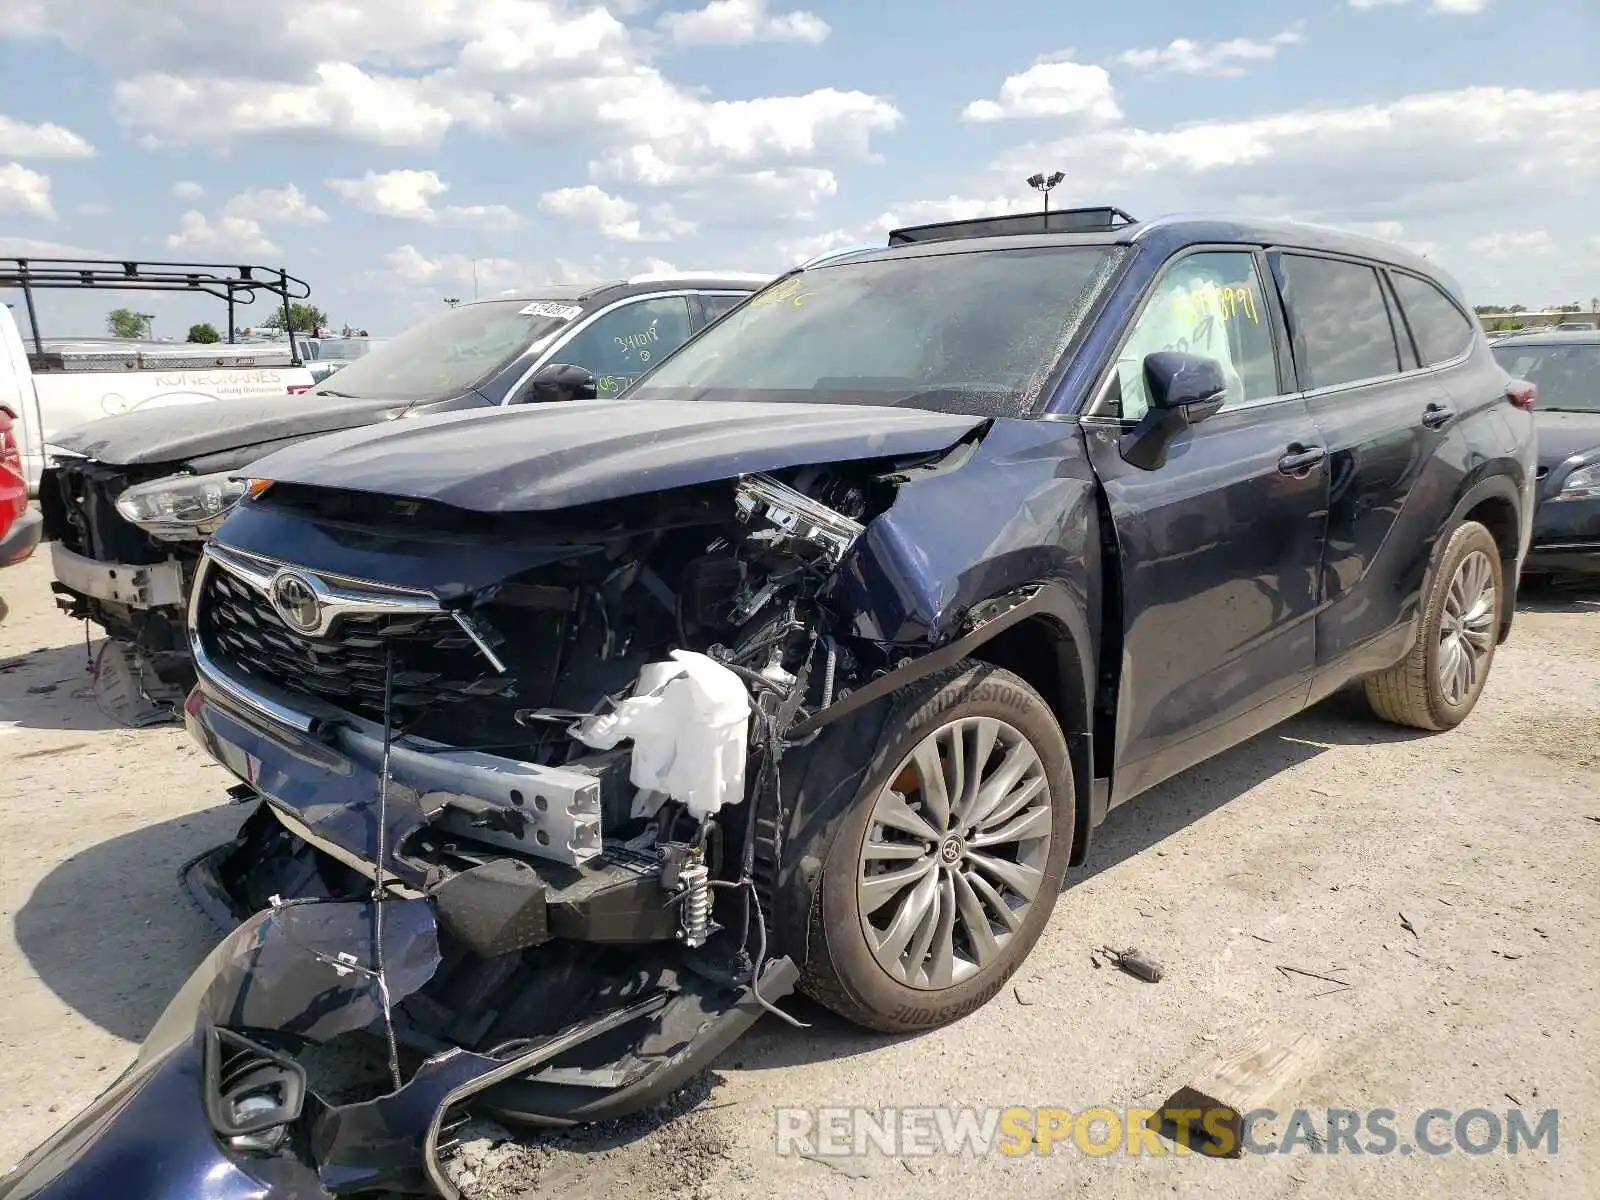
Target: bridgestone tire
{"points": [[840, 970], [1411, 692]]}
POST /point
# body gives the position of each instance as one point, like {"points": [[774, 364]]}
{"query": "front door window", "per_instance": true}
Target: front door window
{"points": [[627, 341]]}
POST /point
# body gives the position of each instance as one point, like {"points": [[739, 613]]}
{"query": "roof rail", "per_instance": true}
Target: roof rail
{"points": [[234, 284], [1061, 220], [830, 255]]}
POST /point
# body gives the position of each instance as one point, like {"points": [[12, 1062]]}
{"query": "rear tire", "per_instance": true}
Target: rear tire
{"points": [[1438, 683], [944, 870]]}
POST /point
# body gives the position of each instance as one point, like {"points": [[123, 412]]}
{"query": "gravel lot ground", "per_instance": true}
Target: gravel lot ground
{"points": [[1301, 849]]}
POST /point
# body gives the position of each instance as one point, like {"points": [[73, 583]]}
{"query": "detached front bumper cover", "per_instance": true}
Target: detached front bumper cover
{"points": [[307, 972]]}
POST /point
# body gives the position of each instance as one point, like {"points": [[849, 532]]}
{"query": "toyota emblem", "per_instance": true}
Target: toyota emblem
{"points": [[296, 602]]}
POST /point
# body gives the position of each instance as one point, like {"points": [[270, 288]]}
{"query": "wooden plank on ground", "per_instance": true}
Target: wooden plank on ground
{"points": [[1260, 1066]]}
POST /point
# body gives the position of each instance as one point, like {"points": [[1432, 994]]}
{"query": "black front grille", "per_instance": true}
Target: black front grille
{"points": [[436, 665]]}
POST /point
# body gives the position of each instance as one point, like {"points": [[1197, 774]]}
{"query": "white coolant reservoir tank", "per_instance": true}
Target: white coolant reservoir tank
{"points": [[689, 721]]}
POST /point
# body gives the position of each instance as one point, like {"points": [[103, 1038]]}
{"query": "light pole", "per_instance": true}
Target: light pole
{"points": [[149, 325], [1046, 184]]}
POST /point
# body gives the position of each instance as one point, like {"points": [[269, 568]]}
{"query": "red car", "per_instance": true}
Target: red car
{"points": [[19, 525]]}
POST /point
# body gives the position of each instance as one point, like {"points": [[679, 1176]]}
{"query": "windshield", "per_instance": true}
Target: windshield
{"points": [[974, 333], [1568, 377], [451, 352]]}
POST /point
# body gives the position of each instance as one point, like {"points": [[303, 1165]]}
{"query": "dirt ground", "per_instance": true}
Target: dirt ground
{"points": [[1300, 849]]}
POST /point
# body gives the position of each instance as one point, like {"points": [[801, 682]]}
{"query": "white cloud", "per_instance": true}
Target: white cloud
{"points": [[535, 37], [93, 208], [198, 234], [739, 22], [612, 217], [282, 206], [21, 140], [1187, 57], [1437, 152], [343, 100], [413, 267], [408, 195], [1050, 89], [405, 74], [800, 249], [25, 193], [1450, 7], [23, 247], [691, 141], [951, 208], [239, 226], [187, 189], [1513, 244]]}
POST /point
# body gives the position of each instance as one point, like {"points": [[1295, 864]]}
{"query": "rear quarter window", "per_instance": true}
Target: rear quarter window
{"points": [[1442, 331]]}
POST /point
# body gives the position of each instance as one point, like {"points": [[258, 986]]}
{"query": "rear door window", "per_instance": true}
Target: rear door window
{"points": [[1339, 321], [718, 305], [1442, 330]]}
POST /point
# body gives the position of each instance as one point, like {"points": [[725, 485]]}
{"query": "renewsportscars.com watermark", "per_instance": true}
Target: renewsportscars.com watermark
{"points": [[1017, 1131]]}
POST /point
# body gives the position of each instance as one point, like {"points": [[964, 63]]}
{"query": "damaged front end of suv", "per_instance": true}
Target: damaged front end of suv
{"points": [[554, 719]]}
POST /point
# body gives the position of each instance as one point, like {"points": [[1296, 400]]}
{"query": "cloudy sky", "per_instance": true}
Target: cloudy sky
{"points": [[379, 148]]}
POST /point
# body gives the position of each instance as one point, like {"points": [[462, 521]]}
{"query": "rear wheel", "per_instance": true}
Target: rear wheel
{"points": [[1439, 682], [945, 869]]}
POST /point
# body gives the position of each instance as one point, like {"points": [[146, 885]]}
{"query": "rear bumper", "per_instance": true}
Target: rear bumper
{"points": [[22, 538]]}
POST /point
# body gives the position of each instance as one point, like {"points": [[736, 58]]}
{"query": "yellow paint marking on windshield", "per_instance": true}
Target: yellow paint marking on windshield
{"points": [[788, 291]]}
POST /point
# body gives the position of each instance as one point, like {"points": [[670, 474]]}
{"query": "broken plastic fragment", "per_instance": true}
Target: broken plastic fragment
{"points": [[689, 721]]}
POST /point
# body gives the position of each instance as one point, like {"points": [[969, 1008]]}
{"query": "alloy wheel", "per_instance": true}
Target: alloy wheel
{"points": [[955, 852], [1467, 628]]}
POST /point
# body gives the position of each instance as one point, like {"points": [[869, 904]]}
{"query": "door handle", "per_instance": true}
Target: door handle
{"points": [[1301, 459], [1437, 416]]}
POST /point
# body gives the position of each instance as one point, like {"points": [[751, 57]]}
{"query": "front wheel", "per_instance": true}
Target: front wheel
{"points": [[944, 871], [1439, 682]]}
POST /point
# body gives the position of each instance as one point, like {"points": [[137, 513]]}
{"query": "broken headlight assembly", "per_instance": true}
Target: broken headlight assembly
{"points": [[182, 507]]}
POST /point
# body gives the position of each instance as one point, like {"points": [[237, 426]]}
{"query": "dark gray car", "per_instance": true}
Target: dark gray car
{"points": [[1565, 367], [129, 500]]}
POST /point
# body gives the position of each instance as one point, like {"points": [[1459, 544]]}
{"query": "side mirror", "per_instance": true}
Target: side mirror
{"points": [[558, 381], [1184, 389]]}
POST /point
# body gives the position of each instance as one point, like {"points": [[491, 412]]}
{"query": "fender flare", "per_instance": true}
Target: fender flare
{"points": [[992, 617], [816, 796], [1489, 487]]}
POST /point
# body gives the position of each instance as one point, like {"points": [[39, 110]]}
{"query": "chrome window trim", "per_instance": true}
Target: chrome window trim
{"points": [[572, 331], [1379, 266]]}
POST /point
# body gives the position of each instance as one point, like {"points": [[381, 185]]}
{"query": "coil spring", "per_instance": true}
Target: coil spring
{"points": [[696, 908]]}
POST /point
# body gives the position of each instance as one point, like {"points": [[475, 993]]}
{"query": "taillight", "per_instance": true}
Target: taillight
{"points": [[296, 388], [10, 451], [1522, 394]]}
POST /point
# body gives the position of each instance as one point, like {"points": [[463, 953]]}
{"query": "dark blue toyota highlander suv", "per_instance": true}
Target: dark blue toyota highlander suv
{"points": [[582, 732]]}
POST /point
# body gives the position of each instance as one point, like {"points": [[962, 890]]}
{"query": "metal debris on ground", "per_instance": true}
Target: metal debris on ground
{"points": [[1313, 975], [1135, 963]]}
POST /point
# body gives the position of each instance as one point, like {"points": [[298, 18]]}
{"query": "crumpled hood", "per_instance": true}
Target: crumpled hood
{"points": [[548, 456], [1563, 434], [176, 432]]}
